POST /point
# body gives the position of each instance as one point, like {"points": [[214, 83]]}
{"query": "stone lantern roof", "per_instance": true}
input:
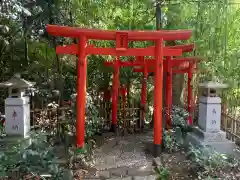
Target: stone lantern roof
{"points": [[213, 85], [17, 82]]}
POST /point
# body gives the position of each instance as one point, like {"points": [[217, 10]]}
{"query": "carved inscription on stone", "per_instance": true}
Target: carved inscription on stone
{"points": [[214, 137], [214, 122], [15, 127]]}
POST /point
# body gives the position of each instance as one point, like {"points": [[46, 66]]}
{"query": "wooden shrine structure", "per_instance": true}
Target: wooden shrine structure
{"points": [[82, 49]]}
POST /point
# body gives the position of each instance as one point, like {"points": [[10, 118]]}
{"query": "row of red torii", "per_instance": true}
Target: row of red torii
{"points": [[156, 65]]}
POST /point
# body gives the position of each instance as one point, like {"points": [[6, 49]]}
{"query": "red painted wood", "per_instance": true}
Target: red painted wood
{"points": [[70, 49], [121, 50], [81, 93], [158, 86], [149, 51], [175, 71], [185, 47], [74, 32]]}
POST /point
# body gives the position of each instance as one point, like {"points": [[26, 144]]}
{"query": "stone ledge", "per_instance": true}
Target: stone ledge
{"points": [[151, 177], [225, 147], [210, 136]]}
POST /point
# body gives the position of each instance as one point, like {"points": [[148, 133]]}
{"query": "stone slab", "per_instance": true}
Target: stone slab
{"points": [[224, 147], [103, 174], [119, 172], [150, 177], [144, 170], [10, 141], [126, 178], [210, 136]]}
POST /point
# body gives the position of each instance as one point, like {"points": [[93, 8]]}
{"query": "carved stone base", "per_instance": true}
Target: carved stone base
{"points": [[210, 136], [216, 140]]}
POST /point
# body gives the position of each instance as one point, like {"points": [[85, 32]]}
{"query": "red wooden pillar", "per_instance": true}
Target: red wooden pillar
{"points": [[168, 92], [190, 74], [144, 95], [81, 91], [158, 79], [115, 95]]}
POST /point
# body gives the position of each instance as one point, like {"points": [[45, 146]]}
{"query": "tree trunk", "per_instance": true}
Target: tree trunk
{"points": [[59, 82]]}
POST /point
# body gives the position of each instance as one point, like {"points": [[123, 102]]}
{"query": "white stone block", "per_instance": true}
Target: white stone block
{"points": [[17, 112], [209, 118]]}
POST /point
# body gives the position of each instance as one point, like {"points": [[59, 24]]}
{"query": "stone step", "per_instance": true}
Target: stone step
{"points": [[224, 147], [123, 172], [149, 177]]}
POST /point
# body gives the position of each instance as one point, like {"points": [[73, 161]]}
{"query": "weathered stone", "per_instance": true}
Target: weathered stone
{"points": [[102, 174], [126, 178], [110, 160], [150, 177], [143, 170], [157, 161], [178, 134], [119, 172]]}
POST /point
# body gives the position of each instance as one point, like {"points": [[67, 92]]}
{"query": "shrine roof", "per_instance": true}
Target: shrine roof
{"points": [[74, 32]]}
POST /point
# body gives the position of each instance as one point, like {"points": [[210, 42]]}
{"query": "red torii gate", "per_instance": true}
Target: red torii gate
{"points": [[116, 65], [148, 64], [187, 65], [185, 48], [122, 38]]}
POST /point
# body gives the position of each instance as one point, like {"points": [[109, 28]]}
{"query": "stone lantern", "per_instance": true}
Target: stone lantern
{"points": [[208, 132], [209, 117], [17, 106]]}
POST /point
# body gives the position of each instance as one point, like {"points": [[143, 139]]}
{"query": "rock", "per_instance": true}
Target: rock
{"points": [[103, 174]]}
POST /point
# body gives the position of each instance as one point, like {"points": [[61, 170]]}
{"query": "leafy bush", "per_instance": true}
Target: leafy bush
{"points": [[162, 173], [38, 160], [170, 142], [179, 116], [208, 162], [93, 120]]}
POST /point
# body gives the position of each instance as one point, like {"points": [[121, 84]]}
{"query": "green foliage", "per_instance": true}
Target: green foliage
{"points": [[162, 173], [171, 144], [208, 162], [179, 116], [93, 120], [38, 160]]}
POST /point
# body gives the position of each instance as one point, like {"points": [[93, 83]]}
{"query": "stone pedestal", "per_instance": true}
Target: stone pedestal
{"points": [[8, 142], [209, 114], [17, 116], [214, 140], [208, 133]]}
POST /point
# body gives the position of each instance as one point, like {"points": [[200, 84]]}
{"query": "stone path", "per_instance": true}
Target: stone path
{"points": [[124, 158]]}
